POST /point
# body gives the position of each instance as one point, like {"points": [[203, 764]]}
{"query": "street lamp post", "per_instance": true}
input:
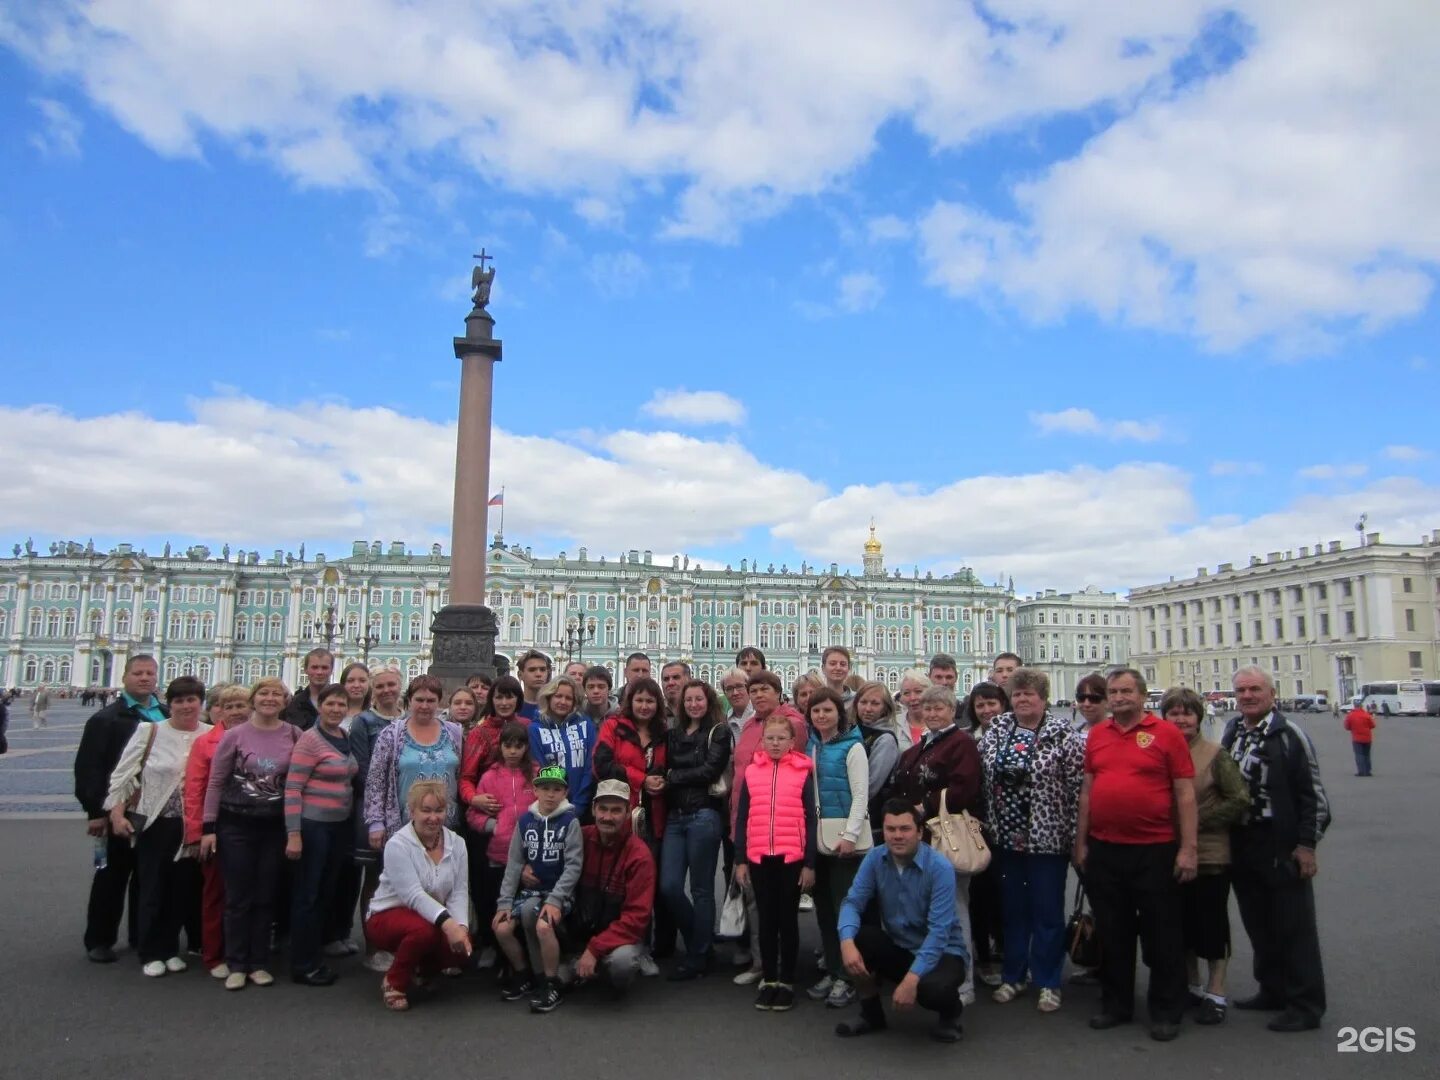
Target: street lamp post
{"points": [[365, 642], [327, 628], [576, 638]]}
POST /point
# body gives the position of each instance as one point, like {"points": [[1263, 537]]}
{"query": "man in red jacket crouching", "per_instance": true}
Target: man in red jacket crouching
{"points": [[616, 895]]}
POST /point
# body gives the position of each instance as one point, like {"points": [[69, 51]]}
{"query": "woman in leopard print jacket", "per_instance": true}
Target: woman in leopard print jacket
{"points": [[1032, 763]]}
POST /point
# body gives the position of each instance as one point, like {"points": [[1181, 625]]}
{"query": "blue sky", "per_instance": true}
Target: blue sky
{"points": [[1080, 302]]}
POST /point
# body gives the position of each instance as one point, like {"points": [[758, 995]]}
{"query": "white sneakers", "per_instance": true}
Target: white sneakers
{"points": [[1049, 1001], [261, 977], [648, 967], [235, 980], [807, 902], [748, 977], [155, 968], [220, 971]]}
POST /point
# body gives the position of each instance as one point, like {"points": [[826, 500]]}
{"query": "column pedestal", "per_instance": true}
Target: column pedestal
{"points": [[463, 643]]}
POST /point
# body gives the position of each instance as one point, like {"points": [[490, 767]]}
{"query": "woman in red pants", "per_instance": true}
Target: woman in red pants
{"points": [[229, 705], [422, 906]]}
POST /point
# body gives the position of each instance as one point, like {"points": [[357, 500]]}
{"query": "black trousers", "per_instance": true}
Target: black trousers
{"points": [[109, 890], [1278, 910], [169, 891], [340, 923], [324, 853], [939, 989], [777, 899], [252, 851], [485, 879], [1133, 891], [986, 922]]}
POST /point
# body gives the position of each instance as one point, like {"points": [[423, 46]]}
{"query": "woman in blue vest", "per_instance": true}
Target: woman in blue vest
{"points": [[842, 787]]}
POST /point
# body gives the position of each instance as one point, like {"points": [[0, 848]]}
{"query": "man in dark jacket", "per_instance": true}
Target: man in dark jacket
{"points": [[304, 707], [104, 738], [616, 894], [1273, 854]]}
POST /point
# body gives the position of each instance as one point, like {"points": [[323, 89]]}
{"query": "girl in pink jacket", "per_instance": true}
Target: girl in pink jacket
{"points": [[505, 792], [775, 847]]}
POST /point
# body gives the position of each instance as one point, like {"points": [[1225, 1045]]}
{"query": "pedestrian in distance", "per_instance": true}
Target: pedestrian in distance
{"points": [[1360, 722]]}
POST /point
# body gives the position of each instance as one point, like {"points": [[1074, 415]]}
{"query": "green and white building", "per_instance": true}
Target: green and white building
{"points": [[70, 617]]}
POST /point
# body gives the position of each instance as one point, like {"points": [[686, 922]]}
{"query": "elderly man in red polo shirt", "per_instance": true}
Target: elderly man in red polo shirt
{"points": [[1138, 784]]}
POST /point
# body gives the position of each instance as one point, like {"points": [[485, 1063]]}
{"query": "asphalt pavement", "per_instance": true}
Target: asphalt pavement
{"points": [[1378, 894]]}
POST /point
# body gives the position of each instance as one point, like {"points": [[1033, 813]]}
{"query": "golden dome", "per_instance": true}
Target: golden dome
{"points": [[872, 546]]}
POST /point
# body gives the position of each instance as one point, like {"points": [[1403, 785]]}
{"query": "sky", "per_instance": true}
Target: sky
{"points": [[1069, 293]]}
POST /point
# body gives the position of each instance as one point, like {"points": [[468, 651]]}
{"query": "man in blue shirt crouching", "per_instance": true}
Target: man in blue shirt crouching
{"points": [[918, 943]]}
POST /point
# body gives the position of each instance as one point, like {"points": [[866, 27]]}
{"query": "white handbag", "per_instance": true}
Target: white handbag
{"points": [[829, 835], [731, 922], [960, 838]]}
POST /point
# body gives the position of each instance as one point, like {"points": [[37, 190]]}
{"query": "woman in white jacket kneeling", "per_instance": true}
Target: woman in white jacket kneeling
{"points": [[421, 908]]}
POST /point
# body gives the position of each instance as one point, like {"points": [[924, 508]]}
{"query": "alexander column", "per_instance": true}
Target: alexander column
{"points": [[464, 631]]}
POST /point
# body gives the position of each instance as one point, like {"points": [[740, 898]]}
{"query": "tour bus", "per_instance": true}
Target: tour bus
{"points": [[1432, 699], [1312, 703], [1394, 698]]}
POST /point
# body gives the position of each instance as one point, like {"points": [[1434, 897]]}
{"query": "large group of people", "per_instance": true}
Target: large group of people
{"points": [[564, 833]]}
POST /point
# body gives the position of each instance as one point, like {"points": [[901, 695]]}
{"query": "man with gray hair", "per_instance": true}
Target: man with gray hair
{"points": [[1273, 854]]}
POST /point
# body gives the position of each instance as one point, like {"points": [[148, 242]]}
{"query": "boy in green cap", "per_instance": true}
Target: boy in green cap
{"points": [[546, 856]]}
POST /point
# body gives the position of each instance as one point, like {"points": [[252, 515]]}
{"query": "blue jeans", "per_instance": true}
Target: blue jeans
{"points": [[691, 846], [1032, 899], [1362, 758]]}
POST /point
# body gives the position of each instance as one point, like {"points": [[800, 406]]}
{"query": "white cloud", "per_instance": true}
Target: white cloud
{"points": [[59, 134], [1074, 421], [741, 114], [618, 275], [696, 407], [1236, 468], [1332, 472], [331, 473], [602, 213], [1059, 529], [860, 291], [1276, 199], [1406, 453], [888, 227]]}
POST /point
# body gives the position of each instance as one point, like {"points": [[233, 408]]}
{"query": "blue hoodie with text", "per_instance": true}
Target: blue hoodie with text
{"points": [[569, 743]]}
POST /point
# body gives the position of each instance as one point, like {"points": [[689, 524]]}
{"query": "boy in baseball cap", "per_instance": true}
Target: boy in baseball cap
{"points": [[548, 844]]}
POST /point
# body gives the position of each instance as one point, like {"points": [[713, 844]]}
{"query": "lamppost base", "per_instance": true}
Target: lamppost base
{"points": [[463, 643]]}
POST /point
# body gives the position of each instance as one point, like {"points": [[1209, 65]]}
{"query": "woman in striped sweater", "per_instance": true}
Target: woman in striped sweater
{"points": [[318, 797]]}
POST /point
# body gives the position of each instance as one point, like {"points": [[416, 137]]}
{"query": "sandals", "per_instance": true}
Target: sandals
{"points": [[395, 1000]]}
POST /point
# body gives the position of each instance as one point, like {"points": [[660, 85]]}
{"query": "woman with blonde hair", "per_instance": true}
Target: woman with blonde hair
{"points": [[566, 738], [421, 910], [911, 727]]}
